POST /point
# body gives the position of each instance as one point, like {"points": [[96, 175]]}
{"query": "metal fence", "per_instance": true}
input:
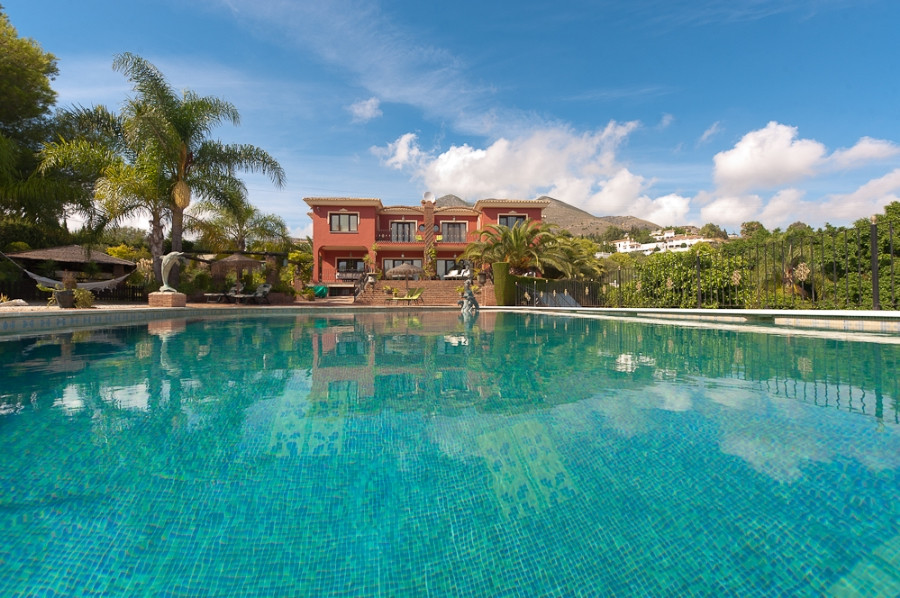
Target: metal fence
{"points": [[838, 269]]}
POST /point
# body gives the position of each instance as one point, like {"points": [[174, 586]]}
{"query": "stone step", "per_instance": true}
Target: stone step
{"points": [[437, 292]]}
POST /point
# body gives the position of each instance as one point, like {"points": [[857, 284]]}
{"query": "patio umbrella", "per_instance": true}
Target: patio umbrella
{"points": [[406, 271]]}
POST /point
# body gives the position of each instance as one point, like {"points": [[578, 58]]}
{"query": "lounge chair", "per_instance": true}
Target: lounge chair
{"points": [[260, 295], [414, 294], [227, 297], [458, 274]]}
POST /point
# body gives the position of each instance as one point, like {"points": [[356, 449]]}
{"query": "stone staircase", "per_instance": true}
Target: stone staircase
{"points": [[437, 293]]}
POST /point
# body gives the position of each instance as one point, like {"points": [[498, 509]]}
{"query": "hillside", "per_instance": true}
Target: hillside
{"points": [[449, 201], [579, 222], [570, 218]]}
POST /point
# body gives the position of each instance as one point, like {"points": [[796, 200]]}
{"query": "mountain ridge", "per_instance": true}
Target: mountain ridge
{"points": [[567, 217]]}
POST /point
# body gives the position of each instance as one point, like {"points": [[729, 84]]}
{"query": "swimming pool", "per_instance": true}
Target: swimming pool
{"points": [[408, 453]]}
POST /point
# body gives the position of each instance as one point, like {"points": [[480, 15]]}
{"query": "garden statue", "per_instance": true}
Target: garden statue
{"points": [[168, 262], [468, 304]]}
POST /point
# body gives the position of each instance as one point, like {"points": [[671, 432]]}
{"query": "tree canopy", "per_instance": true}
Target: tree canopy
{"points": [[178, 127], [25, 75], [713, 231], [30, 204], [238, 228], [151, 155]]}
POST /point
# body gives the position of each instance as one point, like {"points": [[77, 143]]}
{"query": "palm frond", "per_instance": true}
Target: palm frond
{"points": [[214, 156]]}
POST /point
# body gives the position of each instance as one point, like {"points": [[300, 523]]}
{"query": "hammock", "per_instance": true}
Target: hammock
{"points": [[90, 286], [49, 282]]}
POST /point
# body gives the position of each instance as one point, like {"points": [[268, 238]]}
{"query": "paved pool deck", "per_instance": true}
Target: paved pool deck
{"points": [[39, 319]]}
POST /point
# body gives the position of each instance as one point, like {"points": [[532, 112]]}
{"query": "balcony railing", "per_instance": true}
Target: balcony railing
{"points": [[386, 236], [344, 275]]}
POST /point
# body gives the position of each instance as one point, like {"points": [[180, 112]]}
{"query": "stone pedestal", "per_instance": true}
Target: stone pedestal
{"points": [[167, 299]]}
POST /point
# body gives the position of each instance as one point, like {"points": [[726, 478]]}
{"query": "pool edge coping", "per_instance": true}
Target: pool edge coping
{"points": [[19, 323]]}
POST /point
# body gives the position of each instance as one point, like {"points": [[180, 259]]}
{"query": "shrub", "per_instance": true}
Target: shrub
{"points": [[17, 246], [125, 252], [84, 299]]}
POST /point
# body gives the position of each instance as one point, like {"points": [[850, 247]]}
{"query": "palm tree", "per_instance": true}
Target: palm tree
{"points": [[178, 127], [528, 245], [236, 227], [580, 261], [126, 177]]}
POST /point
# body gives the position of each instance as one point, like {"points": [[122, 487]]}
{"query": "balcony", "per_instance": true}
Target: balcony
{"points": [[348, 275], [387, 237]]}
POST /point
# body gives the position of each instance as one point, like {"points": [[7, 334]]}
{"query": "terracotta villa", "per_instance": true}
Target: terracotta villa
{"points": [[346, 229]]}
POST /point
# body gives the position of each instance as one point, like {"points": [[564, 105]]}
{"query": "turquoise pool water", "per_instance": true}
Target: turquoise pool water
{"points": [[403, 454]]}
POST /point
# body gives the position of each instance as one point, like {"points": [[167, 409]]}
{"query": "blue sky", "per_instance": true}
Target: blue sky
{"points": [[677, 111]]}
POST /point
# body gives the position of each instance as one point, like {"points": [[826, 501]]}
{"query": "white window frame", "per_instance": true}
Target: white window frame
{"points": [[518, 217], [337, 262], [352, 227], [412, 231], [445, 236]]}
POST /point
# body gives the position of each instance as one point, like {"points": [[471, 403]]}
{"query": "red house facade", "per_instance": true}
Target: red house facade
{"points": [[346, 230]]}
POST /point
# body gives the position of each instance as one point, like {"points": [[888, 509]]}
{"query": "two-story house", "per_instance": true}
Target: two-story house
{"points": [[346, 229]]}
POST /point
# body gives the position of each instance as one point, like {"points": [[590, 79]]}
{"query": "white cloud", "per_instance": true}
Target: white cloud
{"points": [[665, 121], [573, 166], [713, 130], [730, 211], [866, 200], [579, 169], [402, 153], [617, 194], [865, 150], [665, 210], [767, 158], [775, 156], [791, 205], [365, 110], [785, 207], [302, 231]]}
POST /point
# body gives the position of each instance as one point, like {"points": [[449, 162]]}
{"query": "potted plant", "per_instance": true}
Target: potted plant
{"points": [[65, 297]]}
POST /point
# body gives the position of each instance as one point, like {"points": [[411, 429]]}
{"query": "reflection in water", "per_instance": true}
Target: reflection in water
{"points": [[482, 448]]}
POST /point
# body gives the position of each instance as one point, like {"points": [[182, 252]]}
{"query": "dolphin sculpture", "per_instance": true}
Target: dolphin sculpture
{"points": [[168, 262]]}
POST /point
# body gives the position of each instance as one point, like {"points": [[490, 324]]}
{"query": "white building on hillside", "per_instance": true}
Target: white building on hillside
{"points": [[664, 241]]}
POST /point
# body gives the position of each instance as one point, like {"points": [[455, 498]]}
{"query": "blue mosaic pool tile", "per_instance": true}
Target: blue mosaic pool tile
{"points": [[625, 492]]}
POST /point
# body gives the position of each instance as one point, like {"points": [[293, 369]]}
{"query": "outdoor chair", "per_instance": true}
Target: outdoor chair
{"points": [[260, 295], [414, 294], [227, 297], [458, 274]]}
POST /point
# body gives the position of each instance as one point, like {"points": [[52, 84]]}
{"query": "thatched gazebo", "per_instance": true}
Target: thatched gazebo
{"points": [[237, 262]]}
